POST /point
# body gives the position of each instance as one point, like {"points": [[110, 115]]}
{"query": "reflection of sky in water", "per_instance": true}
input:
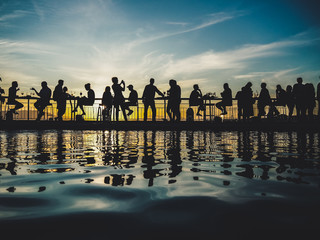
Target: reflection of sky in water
{"points": [[122, 170]]}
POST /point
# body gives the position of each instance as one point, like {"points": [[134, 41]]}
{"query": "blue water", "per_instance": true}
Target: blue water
{"points": [[175, 184]]}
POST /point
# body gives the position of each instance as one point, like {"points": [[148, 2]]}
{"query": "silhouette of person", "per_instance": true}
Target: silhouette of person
{"points": [[107, 101], [280, 101], [12, 97], [62, 103], [299, 95], [318, 98], [174, 100], [226, 99], [248, 101], [118, 97], [264, 100], [310, 99], [1, 92], [44, 100], [57, 92], [240, 103], [290, 100], [148, 99], [86, 101], [196, 99], [133, 99]]}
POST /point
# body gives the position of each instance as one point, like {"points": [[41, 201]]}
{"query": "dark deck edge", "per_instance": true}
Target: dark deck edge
{"points": [[267, 125]]}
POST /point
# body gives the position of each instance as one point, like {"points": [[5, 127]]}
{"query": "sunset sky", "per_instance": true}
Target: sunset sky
{"points": [[193, 41]]}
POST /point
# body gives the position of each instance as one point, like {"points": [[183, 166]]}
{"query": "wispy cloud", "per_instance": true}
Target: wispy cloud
{"points": [[38, 10], [5, 19], [177, 23], [212, 20]]}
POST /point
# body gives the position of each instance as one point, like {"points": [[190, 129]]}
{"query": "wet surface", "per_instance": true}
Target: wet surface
{"points": [[177, 183]]}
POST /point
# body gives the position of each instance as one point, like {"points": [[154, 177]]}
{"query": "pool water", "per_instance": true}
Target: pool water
{"points": [[160, 184]]}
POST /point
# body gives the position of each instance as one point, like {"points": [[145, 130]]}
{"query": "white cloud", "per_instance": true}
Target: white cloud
{"points": [[213, 19]]}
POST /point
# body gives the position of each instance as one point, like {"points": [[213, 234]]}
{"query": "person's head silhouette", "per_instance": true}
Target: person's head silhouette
{"points": [[60, 82], [151, 81], [263, 85], [115, 80], [14, 84], [279, 87], [107, 89], [87, 86], [44, 84], [172, 82], [130, 87], [195, 86], [299, 80]]}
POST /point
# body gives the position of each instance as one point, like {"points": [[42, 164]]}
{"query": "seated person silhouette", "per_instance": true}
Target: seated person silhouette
{"points": [[226, 99], [195, 99], [12, 97], [44, 100], [85, 101], [133, 99], [107, 101]]}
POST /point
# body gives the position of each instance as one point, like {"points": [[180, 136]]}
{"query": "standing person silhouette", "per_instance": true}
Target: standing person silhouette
{"points": [[44, 100], [174, 100], [318, 98], [107, 101], [86, 101], [1, 92], [299, 97], [226, 99], [196, 99], [12, 97], [57, 93], [310, 100], [118, 97], [264, 100], [62, 103], [148, 99], [289, 100], [240, 103], [248, 101]]}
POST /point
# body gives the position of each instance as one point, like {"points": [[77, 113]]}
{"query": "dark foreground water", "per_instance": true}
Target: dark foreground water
{"points": [[160, 184]]}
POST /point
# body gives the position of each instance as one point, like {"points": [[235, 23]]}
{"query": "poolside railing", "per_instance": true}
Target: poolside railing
{"points": [[29, 112]]}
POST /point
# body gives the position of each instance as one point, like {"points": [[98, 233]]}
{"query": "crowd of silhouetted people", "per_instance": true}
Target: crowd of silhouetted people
{"points": [[301, 97]]}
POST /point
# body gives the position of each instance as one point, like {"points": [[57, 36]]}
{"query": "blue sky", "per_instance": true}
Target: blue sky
{"points": [[192, 41]]}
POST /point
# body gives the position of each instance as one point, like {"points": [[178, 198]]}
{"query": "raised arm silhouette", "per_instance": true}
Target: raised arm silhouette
{"points": [[118, 97]]}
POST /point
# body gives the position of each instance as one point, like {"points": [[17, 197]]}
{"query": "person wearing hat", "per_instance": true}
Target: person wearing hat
{"points": [[133, 99]]}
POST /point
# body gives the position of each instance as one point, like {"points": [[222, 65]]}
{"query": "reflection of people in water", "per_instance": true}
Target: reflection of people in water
{"points": [[148, 158], [174, 153], [60, 147], [12, 152]]}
